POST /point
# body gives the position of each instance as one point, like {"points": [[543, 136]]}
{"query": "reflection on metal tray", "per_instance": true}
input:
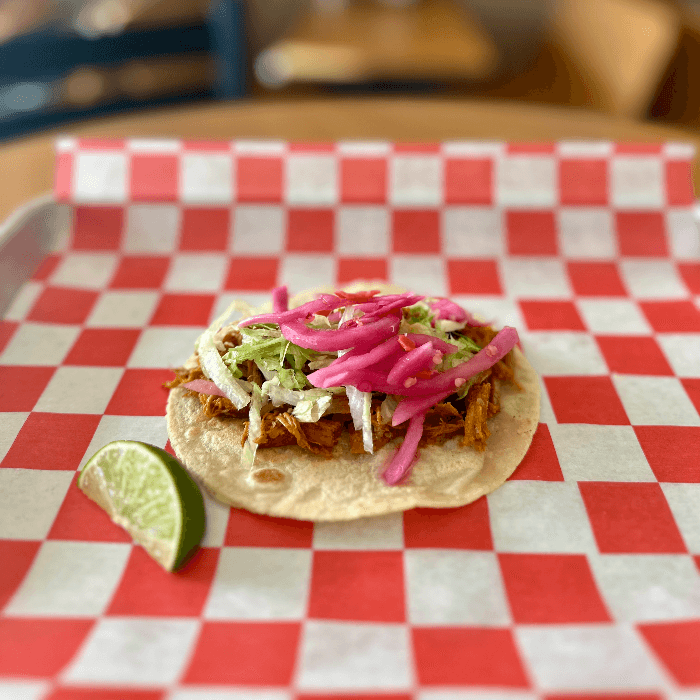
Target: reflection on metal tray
{"points": [[32, 232]]}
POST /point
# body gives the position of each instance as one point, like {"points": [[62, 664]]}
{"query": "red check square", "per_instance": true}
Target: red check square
{"points": [[551, 315], [259, 179], [583, 181], [354, 585], [59, 305], [97, 228], [140, 392], [540, 462], [205, 229], [692, 388], [63, 177], [672, 316], [468, 181], [140, 272], [16, 556], [353, 696], [679, 183], [82, 520], [78, 693], [7, 330], [529, 147], [416, 231], [46, 268], [351, 269], [252, 274], [631, 518], [147, 589], [467, 527], [633, 355], [551, 589], [531, 233], [28, 645], [585, 400], [311, 147], [103, 347], [596, 279], [183, 310], [363, 180], [154, 177], [239, 653], [51, 441], [474, 277], [603, 696], [641, 233], [677, 644], [246, 529], [21, 387], [467, 656], [690, 272], [673, 452], [416, 147], [310, 230], [638, 149]]}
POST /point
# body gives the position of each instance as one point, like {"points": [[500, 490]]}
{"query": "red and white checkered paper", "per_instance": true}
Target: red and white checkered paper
{"points": [[579, 578]]}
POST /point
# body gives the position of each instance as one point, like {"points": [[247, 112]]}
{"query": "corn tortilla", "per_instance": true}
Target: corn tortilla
{"points": [[294, 483]]}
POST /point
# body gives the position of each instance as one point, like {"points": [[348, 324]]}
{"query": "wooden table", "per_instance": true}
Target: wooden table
{"points": [[26, 166]]}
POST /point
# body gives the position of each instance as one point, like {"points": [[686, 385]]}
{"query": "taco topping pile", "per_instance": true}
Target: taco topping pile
{"points": [[376, 366]]}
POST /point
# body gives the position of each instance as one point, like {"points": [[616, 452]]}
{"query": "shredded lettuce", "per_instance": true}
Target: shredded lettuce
{"points": [[310, 409], [254, 425]]}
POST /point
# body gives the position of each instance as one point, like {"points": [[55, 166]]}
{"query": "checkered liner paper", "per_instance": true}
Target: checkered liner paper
{"points": [[579, 578]]}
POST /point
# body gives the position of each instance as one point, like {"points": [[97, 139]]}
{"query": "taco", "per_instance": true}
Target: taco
{"points": [[360, 402]]}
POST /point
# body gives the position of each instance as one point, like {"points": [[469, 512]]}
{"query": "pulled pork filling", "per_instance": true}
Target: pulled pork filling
{"points": [[467, 416]]}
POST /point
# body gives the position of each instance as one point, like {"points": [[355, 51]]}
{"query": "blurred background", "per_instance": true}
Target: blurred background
{"points": [[67, 59]]}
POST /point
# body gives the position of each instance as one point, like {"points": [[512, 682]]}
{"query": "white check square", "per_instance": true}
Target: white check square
{"points": [[383, 532], [150, 429], [300, 272], [123, 309], [363, 231], [526, 181], [652, 279], [219, 693], [29, 501], [495, 310], [24, 300], [312, 179], [682, 227], [23, 690], [85, 270], [258, 230], [206, 178], [683, 500], [613, 317], [535, 278], [70, 579], [42, 344], [588, 657], [100, 177], [423, 274], [637, 182], [475, 694], [655, 400], [134, 651], [196, 272], [563, 353], [648, 587], [587, 233], [682, 351], [415, 181], [600, 453], [451, 587], [164, 347], [259, 301], [152, 228], [79, 390], [216, 515], [10, 425], [472, 232], [538, 516], [354, 656], [260, 583]]}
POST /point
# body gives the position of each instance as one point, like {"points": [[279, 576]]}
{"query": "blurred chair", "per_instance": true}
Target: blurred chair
{"points": [[79, 58]]}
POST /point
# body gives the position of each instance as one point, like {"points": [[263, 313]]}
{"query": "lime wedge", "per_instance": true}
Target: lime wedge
{"points": [[148, 493]]}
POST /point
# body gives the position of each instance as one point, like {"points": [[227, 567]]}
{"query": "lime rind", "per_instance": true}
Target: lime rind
{"points": [[146, 491]]}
